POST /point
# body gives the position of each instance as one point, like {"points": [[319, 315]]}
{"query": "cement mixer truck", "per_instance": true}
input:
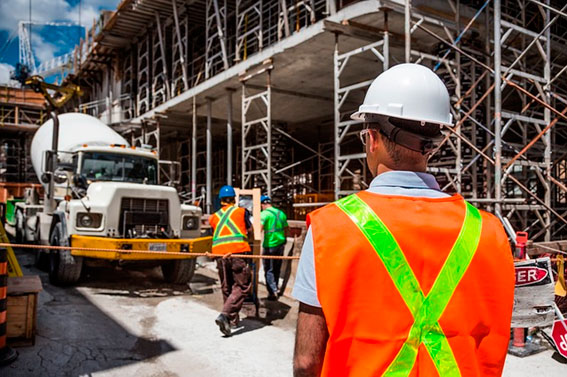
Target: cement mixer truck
{"points": [[104, 194]]}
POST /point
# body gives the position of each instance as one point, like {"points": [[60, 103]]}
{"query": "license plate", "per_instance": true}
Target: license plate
{"points": [[158, 247]]}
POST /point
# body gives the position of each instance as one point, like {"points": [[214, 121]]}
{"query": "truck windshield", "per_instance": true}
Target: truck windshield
{"points": [[98, 166]]}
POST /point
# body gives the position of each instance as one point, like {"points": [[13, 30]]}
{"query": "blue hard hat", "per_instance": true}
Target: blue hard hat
{"points": [[227, 192], [265, 199]]}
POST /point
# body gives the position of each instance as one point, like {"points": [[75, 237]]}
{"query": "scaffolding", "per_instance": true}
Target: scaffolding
{"points": [[257, 133], [503, 62]]}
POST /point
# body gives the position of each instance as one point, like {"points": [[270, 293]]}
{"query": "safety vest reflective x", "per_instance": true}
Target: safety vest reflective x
{"points": [[277, 226], [226, 231], [426, 310]]}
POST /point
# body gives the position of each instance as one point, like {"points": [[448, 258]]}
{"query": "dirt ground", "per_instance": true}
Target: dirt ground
{"points": [[128, 322]]}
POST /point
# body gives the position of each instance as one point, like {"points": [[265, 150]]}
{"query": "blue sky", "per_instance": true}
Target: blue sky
{"points": [[47, 41]]}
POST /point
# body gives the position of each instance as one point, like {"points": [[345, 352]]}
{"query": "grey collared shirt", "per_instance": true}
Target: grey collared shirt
{"points": [[403, 183]]}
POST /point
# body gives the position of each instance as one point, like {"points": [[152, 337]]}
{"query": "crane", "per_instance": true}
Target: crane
{"points": [[27, 64]]}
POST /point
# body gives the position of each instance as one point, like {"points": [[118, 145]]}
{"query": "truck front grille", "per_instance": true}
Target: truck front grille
{"points": [[143, 217]]}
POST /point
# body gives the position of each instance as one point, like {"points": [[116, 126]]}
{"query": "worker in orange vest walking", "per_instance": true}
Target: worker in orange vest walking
{"points": [[231, 226], [403, 279]]}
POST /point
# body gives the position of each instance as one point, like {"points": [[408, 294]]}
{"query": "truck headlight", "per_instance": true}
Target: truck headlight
{"points": [[88, 220], [190, 222]]}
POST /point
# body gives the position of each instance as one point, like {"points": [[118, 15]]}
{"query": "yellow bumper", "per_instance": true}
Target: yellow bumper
{"points": [[194, 245]]}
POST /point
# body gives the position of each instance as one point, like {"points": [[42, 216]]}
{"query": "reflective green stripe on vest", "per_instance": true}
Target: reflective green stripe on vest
{"points": [[278, 225], [426, 310], [225, 221]]}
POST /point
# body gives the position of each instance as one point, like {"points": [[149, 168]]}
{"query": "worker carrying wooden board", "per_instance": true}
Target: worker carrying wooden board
{"points": [[402, 279], [231, 230]]}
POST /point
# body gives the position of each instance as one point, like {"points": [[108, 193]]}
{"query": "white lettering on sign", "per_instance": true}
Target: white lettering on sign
{"points": [[563, 342], [559, 336], [529, 275]]}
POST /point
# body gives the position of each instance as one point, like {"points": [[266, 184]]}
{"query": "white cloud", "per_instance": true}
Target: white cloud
{"points": [[5, 73], [13, 11], [43, 49]]}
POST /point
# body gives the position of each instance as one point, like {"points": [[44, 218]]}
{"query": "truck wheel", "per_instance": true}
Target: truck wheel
{"points": [[41, 259], [179, 271], [64, 268]]}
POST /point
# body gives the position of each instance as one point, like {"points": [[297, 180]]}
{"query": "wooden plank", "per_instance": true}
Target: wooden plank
{"points": [[30, 316], [24, 285], [17, 300], [18, 309], [15, 329], [21, 315]]}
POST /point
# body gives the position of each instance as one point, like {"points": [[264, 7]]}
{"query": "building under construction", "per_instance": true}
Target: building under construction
{"points": [[259, 94]]}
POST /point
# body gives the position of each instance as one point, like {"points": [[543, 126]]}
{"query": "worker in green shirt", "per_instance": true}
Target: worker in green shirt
{"points": [[274, 223]]}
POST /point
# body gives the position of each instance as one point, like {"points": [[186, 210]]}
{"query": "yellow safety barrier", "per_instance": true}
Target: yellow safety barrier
{"points": [[13, 265]]}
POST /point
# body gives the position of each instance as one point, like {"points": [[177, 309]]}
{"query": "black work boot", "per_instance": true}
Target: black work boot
{"points": [[223, 324]]}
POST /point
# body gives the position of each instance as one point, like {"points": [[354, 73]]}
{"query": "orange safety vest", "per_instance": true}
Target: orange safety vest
{"points": [[229, 230], [412, 286]]}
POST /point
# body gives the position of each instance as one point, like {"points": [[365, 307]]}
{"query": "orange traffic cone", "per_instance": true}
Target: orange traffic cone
{"points": [[7, 355]]}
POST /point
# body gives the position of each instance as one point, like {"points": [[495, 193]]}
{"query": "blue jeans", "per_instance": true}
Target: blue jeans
{"points": [[272, 268]]}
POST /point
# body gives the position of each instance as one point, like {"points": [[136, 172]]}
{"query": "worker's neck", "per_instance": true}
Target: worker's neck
{"points": [[384, 168]]}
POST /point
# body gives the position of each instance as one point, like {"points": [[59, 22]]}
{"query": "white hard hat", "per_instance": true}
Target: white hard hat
{"points": [[407, 91]]}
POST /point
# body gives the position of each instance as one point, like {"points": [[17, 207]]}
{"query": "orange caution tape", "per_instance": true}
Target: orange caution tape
{"points": [[188, 255]]}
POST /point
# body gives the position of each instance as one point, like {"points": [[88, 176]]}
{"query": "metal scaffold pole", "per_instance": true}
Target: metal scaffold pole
{"points": [[229, 138], [349, 164], [209, 171], [194, 152], [497, 108], [407, 30], [547, 118], [257, 131]]}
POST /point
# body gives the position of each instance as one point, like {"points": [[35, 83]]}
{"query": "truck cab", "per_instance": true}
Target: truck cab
{"points": [[109, 197]]}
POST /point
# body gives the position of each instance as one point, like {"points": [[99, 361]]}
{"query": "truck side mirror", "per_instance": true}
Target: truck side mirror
{"points": [[59, 176]]}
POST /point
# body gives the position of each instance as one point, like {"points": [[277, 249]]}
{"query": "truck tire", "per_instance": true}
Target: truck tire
{"points": [[64, 269], [41, 259], [179, 271]]}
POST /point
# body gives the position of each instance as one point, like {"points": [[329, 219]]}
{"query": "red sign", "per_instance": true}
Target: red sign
{"points": [[529, 275], [559, 335]]}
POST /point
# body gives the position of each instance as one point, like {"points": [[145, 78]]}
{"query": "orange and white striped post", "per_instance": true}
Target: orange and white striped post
{"points": [[7, 355]]}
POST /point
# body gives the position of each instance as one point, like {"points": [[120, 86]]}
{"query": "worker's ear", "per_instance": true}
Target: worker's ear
{"points": [[374, 141]]}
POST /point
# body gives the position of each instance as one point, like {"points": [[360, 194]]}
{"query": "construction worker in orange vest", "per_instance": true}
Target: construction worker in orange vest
{"points": [[403, 279], [231, 226]]}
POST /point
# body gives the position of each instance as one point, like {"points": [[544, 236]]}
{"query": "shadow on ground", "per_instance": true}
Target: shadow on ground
{"points": [[75, 337], [269, 312]]}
